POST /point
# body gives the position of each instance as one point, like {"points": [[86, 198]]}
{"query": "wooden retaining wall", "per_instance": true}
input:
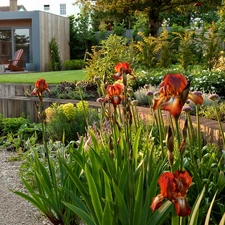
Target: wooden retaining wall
{"points": [[13, 103]]}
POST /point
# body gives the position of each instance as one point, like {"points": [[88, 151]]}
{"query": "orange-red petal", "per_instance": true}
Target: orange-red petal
{"points": [[157, 101], [118, 67], [115, 89], [174, 106], [197, 99], [184, 181], [123, 67], [181, 206], [167, 184], [174, 84], [156, 202]]}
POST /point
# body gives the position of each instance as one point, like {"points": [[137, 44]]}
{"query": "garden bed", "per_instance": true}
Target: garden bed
{"points": [[14, 106]]}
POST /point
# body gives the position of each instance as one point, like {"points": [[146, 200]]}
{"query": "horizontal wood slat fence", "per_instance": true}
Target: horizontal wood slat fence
{"points": [[13, 103]]}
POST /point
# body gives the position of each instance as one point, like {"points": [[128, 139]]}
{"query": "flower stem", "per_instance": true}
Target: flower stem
{"points": [[220, 124], [198, 132], [178, 141], [175, 217], [160, 126]]}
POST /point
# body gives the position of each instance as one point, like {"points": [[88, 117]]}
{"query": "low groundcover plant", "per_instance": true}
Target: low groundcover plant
{"points": [[111, 174]]}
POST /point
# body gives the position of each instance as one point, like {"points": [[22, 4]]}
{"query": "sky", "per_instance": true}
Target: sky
{"points": [[34, 4], [38, 4], [28, 4]]}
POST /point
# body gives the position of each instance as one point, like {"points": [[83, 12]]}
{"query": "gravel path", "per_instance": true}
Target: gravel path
{"points": [[15, 210]]}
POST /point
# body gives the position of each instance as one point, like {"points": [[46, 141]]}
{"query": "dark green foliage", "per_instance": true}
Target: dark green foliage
{"points": [[119, 29], [69, 90], [75, 64], [12, 125], [201, 80], [55, 62], [17, 133], [81, 36]]}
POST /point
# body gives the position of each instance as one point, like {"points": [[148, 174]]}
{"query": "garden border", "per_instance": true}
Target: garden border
{"points": [[13, 103]]}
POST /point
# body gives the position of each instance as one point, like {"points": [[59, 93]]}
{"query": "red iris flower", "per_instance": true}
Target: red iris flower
{"points": [[173, 93], [174, 187], [121, 68], [40, 87], [114, 93]]}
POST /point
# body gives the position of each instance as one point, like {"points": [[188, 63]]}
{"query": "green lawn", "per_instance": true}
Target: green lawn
{"points": [[50, 77]]}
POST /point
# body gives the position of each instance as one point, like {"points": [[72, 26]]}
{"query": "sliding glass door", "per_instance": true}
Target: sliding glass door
{"points": [[22, 40], [5, 44], [13, 39]]}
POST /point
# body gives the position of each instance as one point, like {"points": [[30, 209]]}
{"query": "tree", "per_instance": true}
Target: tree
{"points": [[81, 34], [154, 9]]}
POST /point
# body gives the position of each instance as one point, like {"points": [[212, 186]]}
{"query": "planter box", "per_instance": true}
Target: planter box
{"points": [[30, 66]]}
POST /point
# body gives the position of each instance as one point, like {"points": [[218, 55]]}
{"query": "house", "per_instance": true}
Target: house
{"points": [[32, 31], [57, 7]]}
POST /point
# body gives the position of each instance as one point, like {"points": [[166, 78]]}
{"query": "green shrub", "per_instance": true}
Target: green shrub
{"points": [[55, 62], [209, 112], [141, 95], [201, 80], [113, 50], [119, 28], [19, 133], [69, 90], [75, 64], [12, 125], [67, 122]]}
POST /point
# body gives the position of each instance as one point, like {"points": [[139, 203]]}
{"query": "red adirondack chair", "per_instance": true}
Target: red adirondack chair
{"points": [[15, 64]]}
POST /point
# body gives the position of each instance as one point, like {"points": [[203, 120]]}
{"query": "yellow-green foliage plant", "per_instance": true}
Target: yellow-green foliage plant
{"points": [[147, 51], [186, 55], [111, 51], [66, 122]]}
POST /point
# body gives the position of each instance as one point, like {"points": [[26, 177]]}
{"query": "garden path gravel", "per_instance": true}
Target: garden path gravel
{"points": [[15, 210]]}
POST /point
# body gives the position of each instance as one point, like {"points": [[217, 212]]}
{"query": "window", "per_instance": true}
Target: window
{"points": [[46, 7], [62, 9]]}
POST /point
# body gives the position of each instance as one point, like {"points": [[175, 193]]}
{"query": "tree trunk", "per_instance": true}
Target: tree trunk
{"points": [[154, 23]]}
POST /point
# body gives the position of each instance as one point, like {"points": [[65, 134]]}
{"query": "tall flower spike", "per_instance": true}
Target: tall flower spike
{"points": [[170, 145], [40, 87]]}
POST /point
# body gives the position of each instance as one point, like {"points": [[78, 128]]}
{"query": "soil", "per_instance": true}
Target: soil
{"points": [[15, 210]]}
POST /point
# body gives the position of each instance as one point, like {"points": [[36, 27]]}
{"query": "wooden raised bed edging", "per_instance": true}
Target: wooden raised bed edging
{"points": [[14, 106], [209, 128], [13, 103]]}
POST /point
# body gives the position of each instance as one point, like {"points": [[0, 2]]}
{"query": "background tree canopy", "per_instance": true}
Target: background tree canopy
{"points": [[155, 10]]}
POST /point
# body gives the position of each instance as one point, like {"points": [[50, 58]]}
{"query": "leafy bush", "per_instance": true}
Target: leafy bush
{"points": [[141, 95], [69, 90], [103, 59], [119, 28], [201, 80], [18, 133], [12, 125], [207, 81], [55, 62], [75, 64], [67, 122], [209, 112]]}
